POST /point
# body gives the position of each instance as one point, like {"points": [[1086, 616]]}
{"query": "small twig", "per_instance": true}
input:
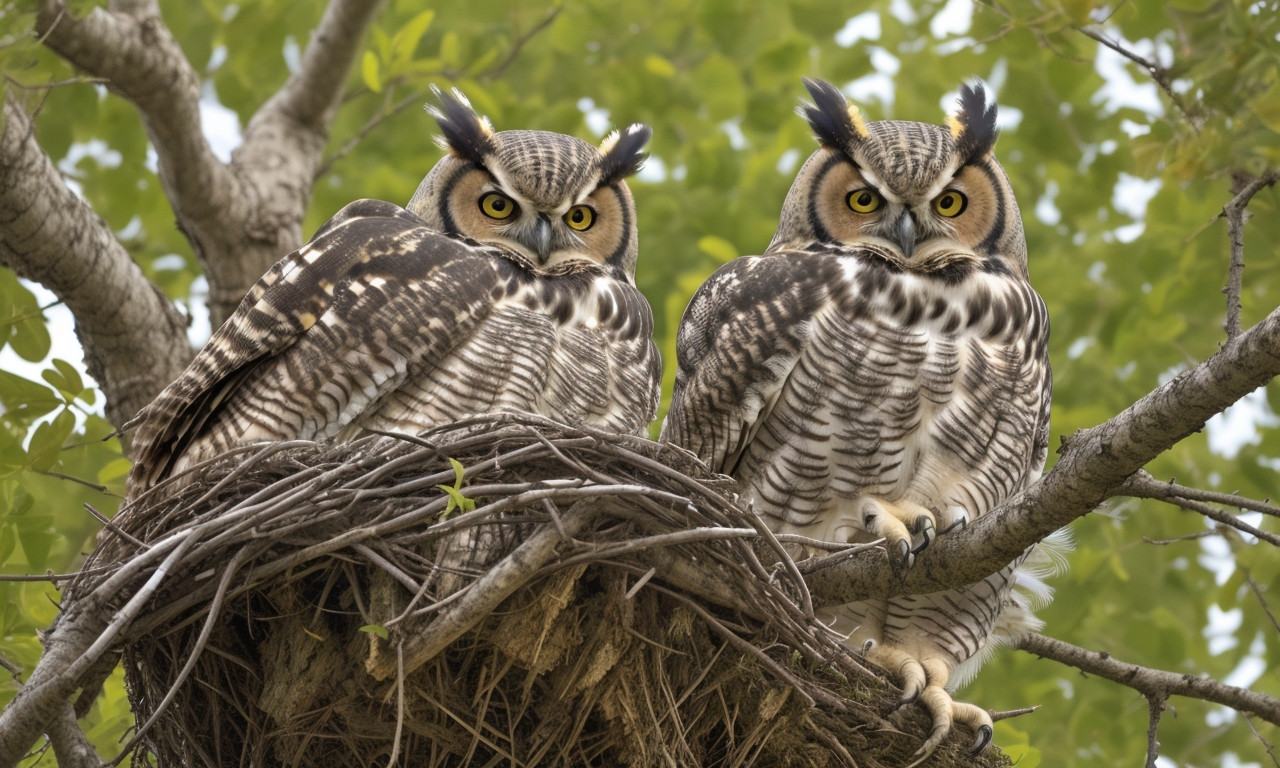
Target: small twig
{"points": [[1235, 214], [1215, 531], [1155, 708], [1011, 713], [370, 125], [395, 742], [1142, 485], [1158, 73], [1268, 746], [502, 66], [1253, 585]]}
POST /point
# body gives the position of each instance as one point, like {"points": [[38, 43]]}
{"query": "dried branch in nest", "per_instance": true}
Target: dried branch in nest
{"points": [[556, 596]]}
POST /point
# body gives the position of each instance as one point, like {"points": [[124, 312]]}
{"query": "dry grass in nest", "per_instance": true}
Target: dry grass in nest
{"points": [[606, 602]]}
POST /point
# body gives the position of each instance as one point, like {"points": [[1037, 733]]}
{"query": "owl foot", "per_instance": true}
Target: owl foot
{"points": [[923, 682], [906, 527]]}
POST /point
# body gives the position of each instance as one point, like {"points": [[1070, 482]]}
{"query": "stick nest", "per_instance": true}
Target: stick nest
{"points": [[504, 592]]}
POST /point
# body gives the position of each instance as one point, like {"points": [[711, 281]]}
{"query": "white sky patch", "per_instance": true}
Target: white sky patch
{"points": [[902, 11], [292, 54], [788, 161], [1079, 346], [216, 58], [199, 328], [1130, 197], [1121, 89], [1215, 556], [955, 18], [1046, 210], [876, 87], [733, 129], [596, 118], [1221, 628], [221, 126], [654, 170], [1237, 426], [864, 26]]}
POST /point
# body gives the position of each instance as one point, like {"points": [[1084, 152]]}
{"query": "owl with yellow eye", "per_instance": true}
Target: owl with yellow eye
{"points": [[881, 373], [506, 283]]}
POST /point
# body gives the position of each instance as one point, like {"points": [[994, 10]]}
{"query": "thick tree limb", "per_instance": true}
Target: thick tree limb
{"points": [[1153, 682], [1094, 464], [134, 339], [240, 218]]}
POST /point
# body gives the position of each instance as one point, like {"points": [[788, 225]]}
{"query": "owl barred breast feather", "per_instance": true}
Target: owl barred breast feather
{"points": [[881, 372], [507, 283]]}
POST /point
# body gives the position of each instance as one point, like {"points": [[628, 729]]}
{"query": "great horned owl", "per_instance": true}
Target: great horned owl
{"points": [[508, 283], [882, 372]]}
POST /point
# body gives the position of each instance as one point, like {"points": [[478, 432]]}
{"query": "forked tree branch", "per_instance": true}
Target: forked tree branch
{"points": [[134, 339], [1235, 212], [240, 217], [1152, 682]]}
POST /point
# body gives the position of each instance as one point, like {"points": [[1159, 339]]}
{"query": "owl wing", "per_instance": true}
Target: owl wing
{"points": [[326, 293], [739, 340]]}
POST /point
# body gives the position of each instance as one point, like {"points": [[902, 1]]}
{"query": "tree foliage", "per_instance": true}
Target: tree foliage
{"points": [[1125, 129]]}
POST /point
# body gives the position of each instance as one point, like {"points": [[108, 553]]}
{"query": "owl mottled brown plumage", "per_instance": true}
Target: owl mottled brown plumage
{"points": [[882, 372], [508, 283]]}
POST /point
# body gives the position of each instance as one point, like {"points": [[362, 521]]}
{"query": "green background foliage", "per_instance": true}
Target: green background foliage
{"points": [[1120, 185]]}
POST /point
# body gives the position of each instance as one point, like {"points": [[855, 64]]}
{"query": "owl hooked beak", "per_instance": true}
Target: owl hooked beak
{"points": [[540, 241], [904, 233]]}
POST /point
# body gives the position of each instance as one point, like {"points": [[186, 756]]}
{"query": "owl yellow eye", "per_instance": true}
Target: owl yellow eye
{"points": [[864, 200], [580, 217], [950, 203], [497, 206]]}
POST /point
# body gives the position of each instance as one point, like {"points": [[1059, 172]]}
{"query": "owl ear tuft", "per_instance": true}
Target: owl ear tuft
{"points": [[621, 153], [465, 133], [974, 124], [836, 123]]}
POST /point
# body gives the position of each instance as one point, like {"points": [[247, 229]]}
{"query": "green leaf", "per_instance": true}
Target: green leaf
{"points": [[659, 66], [47, 440], [717, 248], [114, 470], [456, 499], [25, 401], [450, 49], [369, 72], [405, 42], [376, 629], [64, 378]]}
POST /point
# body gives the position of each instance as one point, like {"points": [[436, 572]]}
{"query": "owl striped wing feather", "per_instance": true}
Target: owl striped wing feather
{"points": [[379, 317]]}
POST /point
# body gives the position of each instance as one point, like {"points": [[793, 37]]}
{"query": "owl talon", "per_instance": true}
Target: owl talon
{"points": [[924, 528], [982, 740]]}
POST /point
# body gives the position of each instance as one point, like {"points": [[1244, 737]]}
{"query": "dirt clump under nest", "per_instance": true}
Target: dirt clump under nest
{"points": [[504, 592]]}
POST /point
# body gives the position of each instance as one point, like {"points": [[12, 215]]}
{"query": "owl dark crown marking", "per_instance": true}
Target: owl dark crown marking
{"points": [[622, 153], [838, 124], [974, 126], [466, 133]]}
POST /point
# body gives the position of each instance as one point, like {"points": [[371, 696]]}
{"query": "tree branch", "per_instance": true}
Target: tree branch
{"points": [[1234, 213], [1094, 465], [239, 218], [1152, 683], [134, 339], [1158, 73], [1143, 486]]}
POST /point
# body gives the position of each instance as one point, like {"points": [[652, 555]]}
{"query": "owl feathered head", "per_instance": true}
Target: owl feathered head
{"points": [[546, 198], [838, 124], [470, 136]]}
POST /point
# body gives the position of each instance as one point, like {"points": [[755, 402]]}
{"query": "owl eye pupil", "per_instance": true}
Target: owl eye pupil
{"points": [[577, 217], [947, 201], [865, 199], [499, 205]]}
